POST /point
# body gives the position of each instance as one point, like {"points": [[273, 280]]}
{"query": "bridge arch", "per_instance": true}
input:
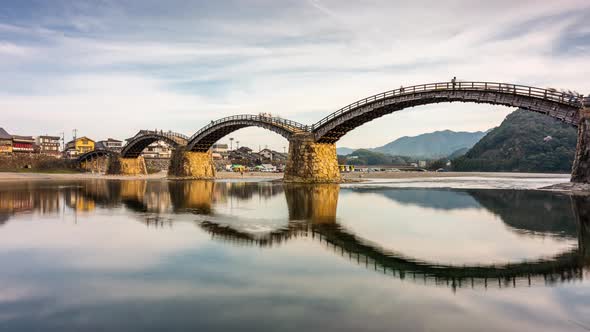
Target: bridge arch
{"points": [[203, 139], [143, 138], [560, 105], [95, 154]]}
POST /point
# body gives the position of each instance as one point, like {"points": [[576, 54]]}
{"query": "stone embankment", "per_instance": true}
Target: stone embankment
{"points": [[154, 165], [14, 161]]}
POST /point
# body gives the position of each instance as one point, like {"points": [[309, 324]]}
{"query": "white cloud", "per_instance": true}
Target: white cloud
{"points": [[303, 62]]}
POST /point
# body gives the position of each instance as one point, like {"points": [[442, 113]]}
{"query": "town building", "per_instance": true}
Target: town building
{"points": [[219, 148], [5, 141], [273, 156], [48, 144], [157, 149], [244, 150], [78, 147], [268, 168], [23, 144], [110, 144]]}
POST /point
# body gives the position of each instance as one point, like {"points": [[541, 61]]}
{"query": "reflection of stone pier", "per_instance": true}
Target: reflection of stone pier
{"points": [[315, 203], [133, 190], [581, 207], [196, 196]]}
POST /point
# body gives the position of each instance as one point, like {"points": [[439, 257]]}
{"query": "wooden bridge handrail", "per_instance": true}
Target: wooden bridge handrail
{"points": [[521, 90], [288, 124]]}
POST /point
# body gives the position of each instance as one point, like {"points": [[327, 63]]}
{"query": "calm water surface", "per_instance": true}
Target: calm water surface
{"points": [[261, 256]]}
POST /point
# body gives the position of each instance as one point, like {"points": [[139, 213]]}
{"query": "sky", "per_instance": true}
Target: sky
{"points": [[110, 68]]}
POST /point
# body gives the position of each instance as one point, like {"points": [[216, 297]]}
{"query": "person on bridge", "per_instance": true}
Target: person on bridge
{"points": [[401, 89], [454, 81]]}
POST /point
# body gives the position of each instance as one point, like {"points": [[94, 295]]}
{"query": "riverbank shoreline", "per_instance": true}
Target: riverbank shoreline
{"points": [[15, 176], [449, 180]]}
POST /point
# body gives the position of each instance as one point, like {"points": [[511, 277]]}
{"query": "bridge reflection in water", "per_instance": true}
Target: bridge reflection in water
{"points": [[312, 213]]}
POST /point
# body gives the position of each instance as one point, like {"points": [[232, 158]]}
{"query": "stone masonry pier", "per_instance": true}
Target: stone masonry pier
{"points": [[126, 166], [581, 166], [190, 164], [311, 162]]}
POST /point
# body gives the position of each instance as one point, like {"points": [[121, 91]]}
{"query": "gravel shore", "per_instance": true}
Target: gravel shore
{"points": [[15, 176]]}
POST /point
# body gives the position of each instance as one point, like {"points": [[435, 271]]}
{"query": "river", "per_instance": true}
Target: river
{"points": [[265, 256]]}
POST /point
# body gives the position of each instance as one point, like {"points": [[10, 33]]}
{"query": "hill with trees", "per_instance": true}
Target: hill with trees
{"points": [[427, 146], [524, 142], [367, 157], [432, 145]]}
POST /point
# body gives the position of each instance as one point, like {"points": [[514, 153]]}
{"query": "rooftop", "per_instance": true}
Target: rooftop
{"points": [[4, 134], [23, 138]]}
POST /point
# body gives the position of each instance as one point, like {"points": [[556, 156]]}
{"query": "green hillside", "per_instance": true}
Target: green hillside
{"points": [[524, 142], [431, 145], [366, 157]]}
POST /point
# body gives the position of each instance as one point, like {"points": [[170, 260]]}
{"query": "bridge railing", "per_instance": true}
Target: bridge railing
{"points": [[289, 124], [169, 134], [548, 94]]}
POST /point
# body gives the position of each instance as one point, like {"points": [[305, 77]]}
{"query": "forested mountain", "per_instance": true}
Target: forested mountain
{"points": [[427, 146], [432, 145], [344, 151], [524, 142], [367, 157]]}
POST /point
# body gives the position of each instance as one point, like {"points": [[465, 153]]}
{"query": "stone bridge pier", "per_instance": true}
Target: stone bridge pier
{"points": [[311, 162], [191, 164], [308, 162], [126, 166], [581, 166]]}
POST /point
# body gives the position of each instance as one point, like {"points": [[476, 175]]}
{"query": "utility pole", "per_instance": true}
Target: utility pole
{"points": [[63, 141], [75, 133], [231, 143], [237, 145]]}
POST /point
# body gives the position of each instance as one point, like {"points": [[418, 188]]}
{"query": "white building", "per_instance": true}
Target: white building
{"points": [[111, 144], [219, 148], [157, 149], [268, 168]]}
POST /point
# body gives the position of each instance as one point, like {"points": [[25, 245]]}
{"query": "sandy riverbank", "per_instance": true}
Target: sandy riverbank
{"points": [[411, 175], [14, 176], [463, 180]]}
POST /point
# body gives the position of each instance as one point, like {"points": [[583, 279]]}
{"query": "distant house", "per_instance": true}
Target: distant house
{"points": [[219, 148], [272, 155], [244, 149], [268, 168], [156, 150], [78, 147], [110, 144], [23, 143], [5, 141], [48, 144]]}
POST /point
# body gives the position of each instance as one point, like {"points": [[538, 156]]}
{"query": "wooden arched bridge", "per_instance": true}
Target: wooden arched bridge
{"points": [[136, 144], [567, 266], [312, 214], [312, 150]]}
